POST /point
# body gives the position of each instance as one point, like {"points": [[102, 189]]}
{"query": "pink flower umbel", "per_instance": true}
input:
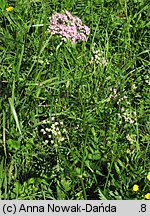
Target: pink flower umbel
{"points": [[68, 27]]}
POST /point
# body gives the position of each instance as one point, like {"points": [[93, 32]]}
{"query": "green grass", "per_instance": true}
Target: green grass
{"points": [[100, 145]]}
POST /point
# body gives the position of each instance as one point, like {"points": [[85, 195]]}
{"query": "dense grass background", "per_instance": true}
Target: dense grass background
{"points": [[71, 127]]}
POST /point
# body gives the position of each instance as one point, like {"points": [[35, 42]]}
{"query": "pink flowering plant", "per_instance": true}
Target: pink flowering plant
{"points": [[68, 27]]}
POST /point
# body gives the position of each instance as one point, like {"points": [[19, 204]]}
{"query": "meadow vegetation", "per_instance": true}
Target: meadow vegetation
{"points": [[74, 118]]}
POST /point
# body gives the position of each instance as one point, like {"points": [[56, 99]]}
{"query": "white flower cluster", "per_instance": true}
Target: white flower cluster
{"points": [[97, 57], [128, 115], [131, 138], [54, 131], [114, 94]]}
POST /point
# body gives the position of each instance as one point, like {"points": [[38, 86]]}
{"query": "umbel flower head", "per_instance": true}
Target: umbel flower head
{"points": [[69, 27]]}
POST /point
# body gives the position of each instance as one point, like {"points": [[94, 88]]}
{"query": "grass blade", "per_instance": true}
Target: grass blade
{"points": [[14, 114]]}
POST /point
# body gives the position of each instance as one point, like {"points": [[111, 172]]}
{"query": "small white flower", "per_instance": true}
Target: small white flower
{"points": [[55, 133], [97, 57], [56, 123], [43, 131], [64, 130], [62, 139], [148, 82], [115, 91], [92, 58], [61, 123], [122, 109], [53, 118], [59, 133], [52, 142], [96, 52], [119, 115], [53, 126], [131, 121], [48, 129], [104, 62]]}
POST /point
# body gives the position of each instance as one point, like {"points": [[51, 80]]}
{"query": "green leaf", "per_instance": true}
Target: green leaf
{"points": [[66, 184], [117, 168], [101, 195], [13, 144]]}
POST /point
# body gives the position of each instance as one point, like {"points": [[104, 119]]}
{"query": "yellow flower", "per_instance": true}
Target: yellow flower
{"points": [[9, 9], [147, 196], [135, 187], [148, 176]]}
